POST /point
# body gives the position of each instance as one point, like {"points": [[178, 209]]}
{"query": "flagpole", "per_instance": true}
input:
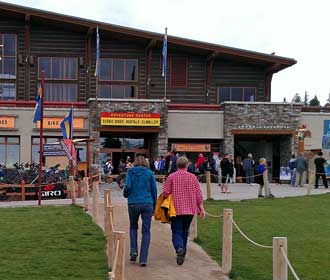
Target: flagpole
{"points": [[165, 70], [41, 135]]}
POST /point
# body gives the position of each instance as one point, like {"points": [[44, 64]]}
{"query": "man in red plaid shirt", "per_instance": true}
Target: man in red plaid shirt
{"points": [[188, 201]]}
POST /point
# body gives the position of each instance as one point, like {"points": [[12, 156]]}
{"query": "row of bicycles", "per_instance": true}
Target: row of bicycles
{"points": [[53, 180]]}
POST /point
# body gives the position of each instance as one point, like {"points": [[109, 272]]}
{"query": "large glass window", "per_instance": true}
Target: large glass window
{"points": [[61, 74], [124, 143], [117, 91], [236, 94], [8, 53], [118, 69], [9, 150]]}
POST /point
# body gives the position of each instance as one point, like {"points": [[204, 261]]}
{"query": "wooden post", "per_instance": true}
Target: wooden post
{"points": [[110, 236], [95, 200], [86, 193], [227, 241], [119, 262], [72, 189], [79, 187], [280, 267], [208, 184], [107, 204], [266, 183], [193, 234], [23, 190]]}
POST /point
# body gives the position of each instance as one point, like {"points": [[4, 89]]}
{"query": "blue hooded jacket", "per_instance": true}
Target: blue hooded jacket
{"points": [[140, 186]]}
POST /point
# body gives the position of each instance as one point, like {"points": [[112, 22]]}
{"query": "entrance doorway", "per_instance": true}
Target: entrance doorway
{"points": [[275, 148], [117, 156]]}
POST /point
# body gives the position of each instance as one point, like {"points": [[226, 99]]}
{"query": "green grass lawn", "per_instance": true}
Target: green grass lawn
{"points": [[53, 243], [305, 221]]}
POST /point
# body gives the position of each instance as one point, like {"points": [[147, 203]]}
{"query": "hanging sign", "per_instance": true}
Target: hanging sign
{"points": [[130, 119]]}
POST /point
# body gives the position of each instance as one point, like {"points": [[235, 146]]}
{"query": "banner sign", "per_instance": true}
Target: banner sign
{"points": [[54, 123], [70, 150], [53, 150], [187, 147], [130, 119], [7, 122]]}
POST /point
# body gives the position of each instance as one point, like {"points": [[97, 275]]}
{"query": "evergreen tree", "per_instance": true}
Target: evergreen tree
{"points": [[314, 101], [297, 98], [328, 100]]}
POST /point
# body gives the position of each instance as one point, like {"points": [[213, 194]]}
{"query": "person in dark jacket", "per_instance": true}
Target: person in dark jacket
{"points": [[227, 172], [262, 167], [141, 191], [301, 170], [319, 169]]}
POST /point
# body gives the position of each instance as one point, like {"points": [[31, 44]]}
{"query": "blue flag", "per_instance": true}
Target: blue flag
{"points": [[66, 125], [97, 65], [37, 108], [164, 53]]}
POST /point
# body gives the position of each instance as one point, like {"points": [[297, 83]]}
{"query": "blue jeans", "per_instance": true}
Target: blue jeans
{"points": [[249, 173], [180, 231], [134, 212]]}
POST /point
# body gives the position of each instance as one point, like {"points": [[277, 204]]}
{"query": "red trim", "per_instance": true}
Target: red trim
{"points": [[23, 103], [213, 107]]}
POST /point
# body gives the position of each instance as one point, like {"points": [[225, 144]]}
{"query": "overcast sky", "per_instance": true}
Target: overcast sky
{"points": [[296, 29]]}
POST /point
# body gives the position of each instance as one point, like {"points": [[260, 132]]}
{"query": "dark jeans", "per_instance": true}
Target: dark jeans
{"points": [[324, 179], [180, 231], [134, 212], [249, 175]]}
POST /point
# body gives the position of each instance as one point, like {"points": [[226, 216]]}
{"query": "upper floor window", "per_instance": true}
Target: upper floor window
{"points": [[9, 150], [236, 94], [61, 74], [178, 72], [8, 54], [59, 68], [113, 69]]}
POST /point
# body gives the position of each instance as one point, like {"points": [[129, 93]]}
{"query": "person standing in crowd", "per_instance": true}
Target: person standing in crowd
{"points": [[191, 168], [141, 192], [301, 170], [122, 166], [167, 162], [199, 163], [248, 167], [188, 201], [292, 164], [227, 172], [262, 167], [218, 162], [156, 165], [239, 169], [172, 167], [108, 167], [319, 169], [161, 166]]}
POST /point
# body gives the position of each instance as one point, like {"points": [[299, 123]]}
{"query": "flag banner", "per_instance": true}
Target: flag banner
{"points": [[37, 108], [66, 125], [70, 150], [164, 54], [97, 65]]}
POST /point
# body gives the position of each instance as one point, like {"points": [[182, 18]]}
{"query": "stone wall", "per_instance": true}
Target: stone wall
{"points": [[159, 140], [256, 116]]}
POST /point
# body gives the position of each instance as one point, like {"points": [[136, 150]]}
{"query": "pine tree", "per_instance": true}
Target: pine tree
{"points": [[314, 102], [297, 98]]}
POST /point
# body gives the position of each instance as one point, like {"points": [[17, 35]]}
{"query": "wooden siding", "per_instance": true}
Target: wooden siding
{"points": [[59, 40]]}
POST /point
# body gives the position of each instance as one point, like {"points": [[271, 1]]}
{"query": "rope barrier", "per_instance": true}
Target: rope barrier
{"points": [[289, 264], [213, 216], [247, 238]]}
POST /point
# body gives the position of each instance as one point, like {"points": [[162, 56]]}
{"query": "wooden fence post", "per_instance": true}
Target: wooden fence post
{"points": [[227, 241], [280, 267], [86, 193], [72, 189], [266, 183], [107, 203], [79, 187], [193, 234], [110, 236], [208, 185], [23, 185], [95, 200], [119, 261]]}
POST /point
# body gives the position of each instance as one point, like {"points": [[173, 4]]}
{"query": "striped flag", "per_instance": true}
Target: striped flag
{"points": [[164, 53], [66, 125], [37, 108], [97, 65]]}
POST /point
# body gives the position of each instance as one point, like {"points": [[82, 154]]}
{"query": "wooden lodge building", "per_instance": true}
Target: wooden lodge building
{"points": [[217, 99]]}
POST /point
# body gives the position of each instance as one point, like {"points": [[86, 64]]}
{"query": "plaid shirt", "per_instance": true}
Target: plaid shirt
{"points": [[187, 195]]}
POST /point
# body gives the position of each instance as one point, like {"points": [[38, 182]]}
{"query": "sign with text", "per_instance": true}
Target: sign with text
{"points": [[54, 123], [53, 150], [7, 122], [188, 147], [326, 127], [130, 119]]}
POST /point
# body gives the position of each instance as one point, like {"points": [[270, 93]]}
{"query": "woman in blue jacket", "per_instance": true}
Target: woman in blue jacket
{"points": [[141, 191]]}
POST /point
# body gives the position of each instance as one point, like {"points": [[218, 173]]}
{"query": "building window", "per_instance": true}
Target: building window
{"points": [[9, 150], [8, 53], [236, 94], [118, 78], [61, 74], [178, 72]]}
